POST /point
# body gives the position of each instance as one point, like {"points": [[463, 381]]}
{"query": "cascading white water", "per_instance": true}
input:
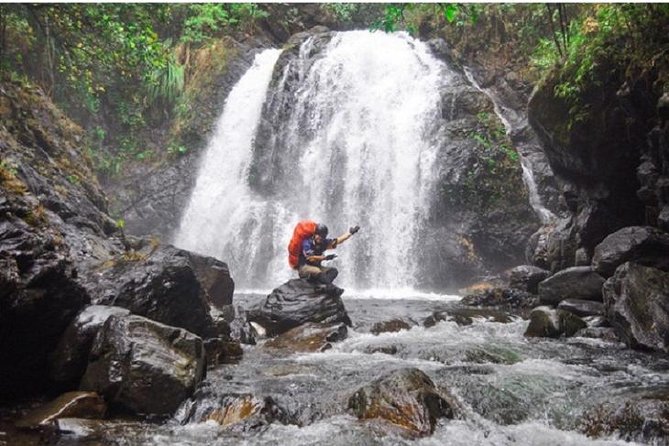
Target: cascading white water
{"points": [[223, 216], [359, 140], [513, 120]]}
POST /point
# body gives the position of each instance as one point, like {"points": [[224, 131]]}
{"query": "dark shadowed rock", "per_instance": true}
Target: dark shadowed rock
{"points": [[69, 360], [641, 244], [578, 282], [527, 278], [297, 302], [603, 333], [582, 307], [68, 405], [161, 285], [636, 304], [406, 398], [39, 295], [144, 366], [309, 337], [546, 322]]}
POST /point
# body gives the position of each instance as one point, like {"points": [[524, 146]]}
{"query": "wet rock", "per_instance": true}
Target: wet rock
{"points": [[144, 366], [404, 398], [385, 349], [70, 358], [465, 316], [641, 244], [214, 277], [391, 326], [578, 282], [240, 328], [635, 299], [640, 418], [297, 302], [221, 351], [546, 322], [161, 285], [581, 307], [603, 333], [236, 412], [68, 405], [500, 297], [527, 278], [309, 337], [39, 296]]}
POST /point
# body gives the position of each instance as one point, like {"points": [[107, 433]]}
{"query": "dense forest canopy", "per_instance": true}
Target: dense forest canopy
{"points": [[120, 68]]}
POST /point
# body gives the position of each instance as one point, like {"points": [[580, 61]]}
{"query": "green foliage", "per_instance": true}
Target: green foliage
{"points": [[206, 20], [343, 11], [167, 82]]}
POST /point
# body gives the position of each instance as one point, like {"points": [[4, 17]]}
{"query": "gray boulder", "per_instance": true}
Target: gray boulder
{"points": [[527, 278], [578, 282], [69, 360], [546, 322], [641, 244], [144, 366], [163, 285], [636, 301], [406, 398], [297, 302], [581, 307]]}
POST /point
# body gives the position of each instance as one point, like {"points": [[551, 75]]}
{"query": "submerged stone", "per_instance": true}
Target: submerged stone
{"points": [[404, 398], [309, 337], [68, 405]]}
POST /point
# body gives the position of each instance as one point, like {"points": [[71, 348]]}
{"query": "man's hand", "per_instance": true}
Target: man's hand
{"points": [[354, 229], [330, 257]]}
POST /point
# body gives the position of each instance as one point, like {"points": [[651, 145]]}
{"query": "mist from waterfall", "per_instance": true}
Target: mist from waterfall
{"points": [[360, 149]]}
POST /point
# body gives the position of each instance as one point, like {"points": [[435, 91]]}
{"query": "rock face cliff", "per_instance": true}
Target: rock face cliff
{"points": [[60, 250], [610, 152]]}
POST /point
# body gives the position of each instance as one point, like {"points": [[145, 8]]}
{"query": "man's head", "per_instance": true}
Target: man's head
{"points": [[321, 233]]}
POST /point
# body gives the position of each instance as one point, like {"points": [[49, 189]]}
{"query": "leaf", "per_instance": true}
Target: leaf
{"points": [[450, 11]]}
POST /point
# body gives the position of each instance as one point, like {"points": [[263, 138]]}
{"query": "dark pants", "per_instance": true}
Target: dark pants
{"points": [[318, 274]]}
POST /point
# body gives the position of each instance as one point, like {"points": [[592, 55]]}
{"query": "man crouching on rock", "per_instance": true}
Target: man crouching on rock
{"points": [[311, 256]]}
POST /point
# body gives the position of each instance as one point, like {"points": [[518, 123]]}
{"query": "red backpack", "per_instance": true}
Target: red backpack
{"points": [[303, 230]]}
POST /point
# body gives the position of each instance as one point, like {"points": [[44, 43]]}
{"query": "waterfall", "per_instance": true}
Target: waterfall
{"points": [[512, 120], [351, 141]]}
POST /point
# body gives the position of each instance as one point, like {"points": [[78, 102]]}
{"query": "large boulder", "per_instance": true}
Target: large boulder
{"points": [[407, 399], [39, 294], [214, 277], [636, 299], [70, 358], [578, 282], [641, 244], [527, 278], [546, 322], [161, 284], [144, 366], [297, 302]]}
